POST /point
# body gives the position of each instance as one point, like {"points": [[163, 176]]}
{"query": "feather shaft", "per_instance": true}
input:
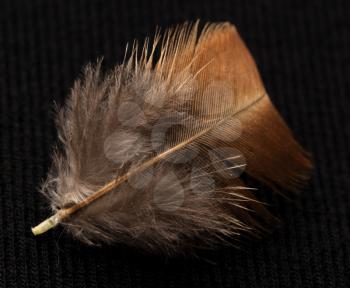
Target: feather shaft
{"points": [[65, 213]]}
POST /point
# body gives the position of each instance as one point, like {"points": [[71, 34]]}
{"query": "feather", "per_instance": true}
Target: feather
{"points": [[152, 154]]}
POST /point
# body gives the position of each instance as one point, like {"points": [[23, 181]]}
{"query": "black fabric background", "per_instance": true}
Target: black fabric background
{"points": [[302, 50]]}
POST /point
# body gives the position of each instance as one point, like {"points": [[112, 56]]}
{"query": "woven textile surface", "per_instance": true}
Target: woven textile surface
{"points": [[302, 49]]}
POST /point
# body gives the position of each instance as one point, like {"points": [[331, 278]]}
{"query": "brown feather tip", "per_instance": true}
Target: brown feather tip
{"points": [[152, 153]]}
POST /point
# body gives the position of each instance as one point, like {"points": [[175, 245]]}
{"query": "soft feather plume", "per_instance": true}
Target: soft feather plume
{"points": [[153, 152]]}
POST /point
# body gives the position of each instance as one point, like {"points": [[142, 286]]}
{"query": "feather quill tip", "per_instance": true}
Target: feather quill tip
{"points": [[46, 225]]}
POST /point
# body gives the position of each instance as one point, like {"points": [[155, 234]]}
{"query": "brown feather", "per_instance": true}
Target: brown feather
{"points": [[153, 152]]}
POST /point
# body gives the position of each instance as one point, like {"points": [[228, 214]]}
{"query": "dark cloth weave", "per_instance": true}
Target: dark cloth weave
{"points": [[302, 49]]}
